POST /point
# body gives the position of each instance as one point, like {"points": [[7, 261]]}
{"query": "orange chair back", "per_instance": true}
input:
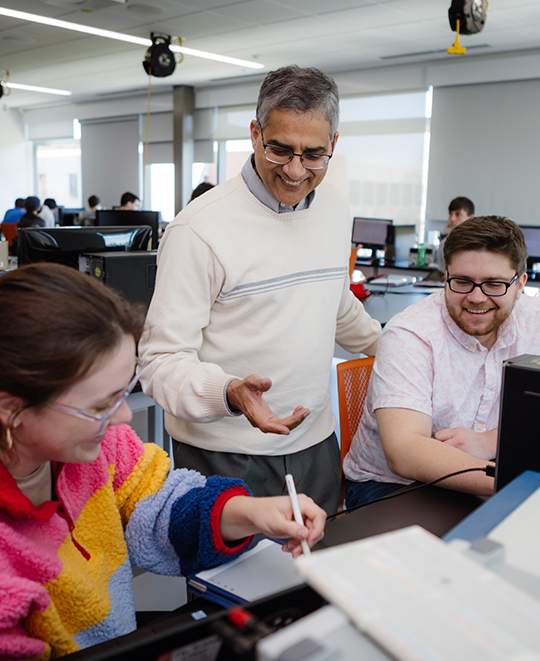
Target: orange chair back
{"points": [[9, 230], [352, 261], [352, 381]]}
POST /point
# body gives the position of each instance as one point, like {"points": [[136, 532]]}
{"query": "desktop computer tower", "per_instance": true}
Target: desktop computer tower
{"points": [[131, 273], [519, 430]]}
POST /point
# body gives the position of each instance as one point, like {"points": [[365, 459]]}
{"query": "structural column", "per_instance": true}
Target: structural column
{"points": [[183, 143]]}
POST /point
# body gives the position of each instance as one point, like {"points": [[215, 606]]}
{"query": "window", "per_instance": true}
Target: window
{"points": [[58, 164], [237, 152], [161, 190], [380, 157]]}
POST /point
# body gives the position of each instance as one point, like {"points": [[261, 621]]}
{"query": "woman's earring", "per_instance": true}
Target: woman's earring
{"points": [[9, 439]]}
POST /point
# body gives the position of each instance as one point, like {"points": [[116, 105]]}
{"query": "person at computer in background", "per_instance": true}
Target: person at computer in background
{"points": [[89, 218], [13, 215], [130, 202], [252, 291], [47, 212], [32, 205], [459, 210], [81, 497], [433, 400]]}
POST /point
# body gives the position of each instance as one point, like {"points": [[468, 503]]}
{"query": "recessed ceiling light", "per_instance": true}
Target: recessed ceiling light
{"points": [[146, 10], [23, 41], [120, 36]]}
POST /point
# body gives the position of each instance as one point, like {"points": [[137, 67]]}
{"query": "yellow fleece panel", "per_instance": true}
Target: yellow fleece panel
{"points": [[145, 479], [80, 595], [45, 656], [48, 627]]}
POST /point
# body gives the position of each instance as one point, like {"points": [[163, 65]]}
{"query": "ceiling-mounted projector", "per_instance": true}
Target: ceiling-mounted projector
{"points": [[159, 59], [470, 13]]}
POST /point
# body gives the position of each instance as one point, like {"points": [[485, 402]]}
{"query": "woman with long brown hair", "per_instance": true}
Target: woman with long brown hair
{"points": [[81, 497]]}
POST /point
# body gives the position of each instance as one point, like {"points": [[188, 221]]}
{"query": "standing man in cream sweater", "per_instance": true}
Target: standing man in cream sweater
{"points": [[252, 291]]}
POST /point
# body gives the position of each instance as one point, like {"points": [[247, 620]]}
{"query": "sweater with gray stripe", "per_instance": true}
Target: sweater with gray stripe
{"points": [[241, 289]]}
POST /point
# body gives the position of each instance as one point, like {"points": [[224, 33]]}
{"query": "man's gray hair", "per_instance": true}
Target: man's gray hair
{"points": [[302, 90]]}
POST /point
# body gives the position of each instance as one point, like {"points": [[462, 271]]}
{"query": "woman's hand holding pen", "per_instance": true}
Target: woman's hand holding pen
{"points": [[274, 517]]}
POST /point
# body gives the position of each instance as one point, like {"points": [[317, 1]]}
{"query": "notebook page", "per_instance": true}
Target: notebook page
{"points": [[260, 572]]}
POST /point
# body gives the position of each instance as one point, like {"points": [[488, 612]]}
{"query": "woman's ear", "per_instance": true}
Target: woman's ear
{"points": [[9, 407]]}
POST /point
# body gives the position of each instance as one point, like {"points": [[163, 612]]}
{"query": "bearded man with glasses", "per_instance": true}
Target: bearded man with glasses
{"points": [[252, 291], [433, 403]]}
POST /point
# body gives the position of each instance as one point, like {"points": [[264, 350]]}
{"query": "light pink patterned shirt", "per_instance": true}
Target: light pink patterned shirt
{"points": [[426, 363]]}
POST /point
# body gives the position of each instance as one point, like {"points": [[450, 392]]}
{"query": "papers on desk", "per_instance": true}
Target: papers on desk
{"points": [[520, 536], [393, 280], [258, 573], [419, 598], [434, 279]]}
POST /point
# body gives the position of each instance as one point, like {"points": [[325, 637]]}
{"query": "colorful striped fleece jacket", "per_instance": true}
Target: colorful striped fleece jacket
{"points": [[65, 566]]}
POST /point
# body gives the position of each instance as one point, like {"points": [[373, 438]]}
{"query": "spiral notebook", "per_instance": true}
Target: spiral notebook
{"points": [[258, 573]]}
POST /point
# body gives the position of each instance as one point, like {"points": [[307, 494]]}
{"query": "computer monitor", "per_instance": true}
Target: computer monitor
{"points": [[404, 240], [115, 217], [518, 449], [69, 216], [532, 239], [371, 233], [63, 245]]}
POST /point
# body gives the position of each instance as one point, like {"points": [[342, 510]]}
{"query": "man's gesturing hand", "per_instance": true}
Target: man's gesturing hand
{"points": [[247, 396]]}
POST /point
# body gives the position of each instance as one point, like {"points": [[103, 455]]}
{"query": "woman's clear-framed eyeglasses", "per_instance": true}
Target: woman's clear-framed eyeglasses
{"points": [[282, 156], [489, 288], [102, 419]]}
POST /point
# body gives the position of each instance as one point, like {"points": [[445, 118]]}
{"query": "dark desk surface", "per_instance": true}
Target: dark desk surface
{"points": [[382, 305], [434, 508]]}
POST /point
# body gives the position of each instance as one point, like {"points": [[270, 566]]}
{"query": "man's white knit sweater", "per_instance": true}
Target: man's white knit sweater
{"points": [[240, 290]]}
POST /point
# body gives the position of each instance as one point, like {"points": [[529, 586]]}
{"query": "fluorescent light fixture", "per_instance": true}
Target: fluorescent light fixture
{"points": [[119, 36], [33, 88]]}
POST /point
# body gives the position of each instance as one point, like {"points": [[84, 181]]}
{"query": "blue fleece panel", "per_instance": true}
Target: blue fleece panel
{"points": [[121, 617], [147, 533], [190, 529]]}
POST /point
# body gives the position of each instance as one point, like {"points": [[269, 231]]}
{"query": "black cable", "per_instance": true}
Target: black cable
{"points": [[489, 470]]}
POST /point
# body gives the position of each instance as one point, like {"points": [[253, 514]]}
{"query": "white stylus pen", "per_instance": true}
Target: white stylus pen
{"points": [[296, 509]]}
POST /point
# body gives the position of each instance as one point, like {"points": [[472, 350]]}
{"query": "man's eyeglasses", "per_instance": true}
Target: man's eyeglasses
{"points": [[102, 419], [489, 288], [282, 156]]}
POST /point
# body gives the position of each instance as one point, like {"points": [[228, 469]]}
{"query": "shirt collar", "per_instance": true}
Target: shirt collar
{"points": [[259, 190], [17, 504]]}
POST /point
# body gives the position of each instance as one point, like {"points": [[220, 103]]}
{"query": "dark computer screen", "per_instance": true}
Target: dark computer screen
{"points": [[69, 216], [371, 232], [532, 239], [115, 217], [518, 449], [63, 245]]}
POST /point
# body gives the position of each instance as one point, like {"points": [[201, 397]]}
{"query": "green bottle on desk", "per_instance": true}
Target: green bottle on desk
{"points": [[421, 256]]}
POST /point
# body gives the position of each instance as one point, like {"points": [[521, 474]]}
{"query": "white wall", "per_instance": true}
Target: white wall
{"points": [[16, 172]]}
